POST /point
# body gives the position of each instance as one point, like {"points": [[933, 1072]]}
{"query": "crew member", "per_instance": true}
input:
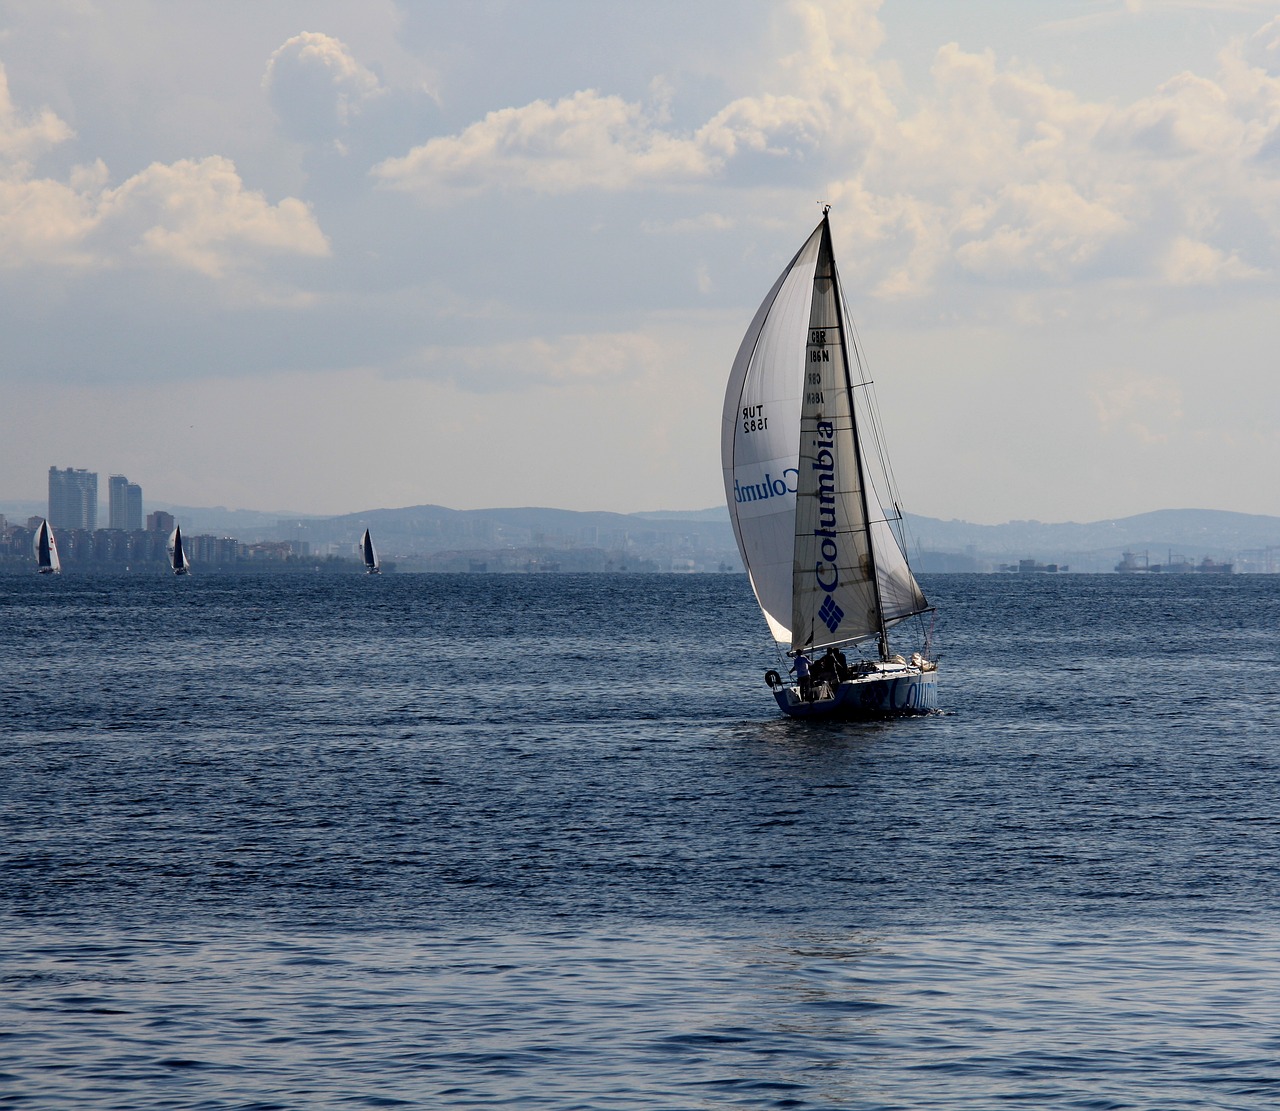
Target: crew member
{"points": [[801, 668]]}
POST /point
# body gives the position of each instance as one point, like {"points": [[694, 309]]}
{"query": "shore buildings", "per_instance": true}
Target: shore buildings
{"points": [[124, 503], [73, 498]]}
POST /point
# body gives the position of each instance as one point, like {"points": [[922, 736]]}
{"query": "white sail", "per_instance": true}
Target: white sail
{"points": [[46, 550], [759, 442], [177, 552], [823, 558], [368, 552]]}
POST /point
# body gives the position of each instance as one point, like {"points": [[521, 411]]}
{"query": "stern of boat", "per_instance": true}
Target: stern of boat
{"points": [[888, 692]]}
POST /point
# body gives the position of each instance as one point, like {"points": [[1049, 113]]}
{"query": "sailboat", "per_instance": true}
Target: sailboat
{"points": [[177, 553], [807, 483], [370, 555], [46, 549]]}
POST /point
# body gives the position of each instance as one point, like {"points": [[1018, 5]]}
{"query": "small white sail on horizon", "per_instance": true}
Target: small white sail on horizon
{"points": [[178, 559], [806, 478], [46, 550], [369, 554]]}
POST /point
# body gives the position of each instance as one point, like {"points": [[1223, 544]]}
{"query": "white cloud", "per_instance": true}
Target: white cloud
{"points": [[198, 215], [316, 87], [1188, 115], [1263, 48], [1188, 262], [596, 141], [44, 221], [194, 214], [1041, 227], [22, 140], [585, 141], [1006, 176]]}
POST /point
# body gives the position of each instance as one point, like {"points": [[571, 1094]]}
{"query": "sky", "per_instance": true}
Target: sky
{"points": [[326, 257]]}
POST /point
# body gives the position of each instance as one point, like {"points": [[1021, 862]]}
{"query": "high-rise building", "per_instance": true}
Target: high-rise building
{"points": [[124, 502], [117, 501], [160, 521], [73, 498], [133, 507]]}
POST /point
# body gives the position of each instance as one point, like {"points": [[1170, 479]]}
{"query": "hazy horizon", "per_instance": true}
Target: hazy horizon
{"points": [[319, 255], [38, 506]]}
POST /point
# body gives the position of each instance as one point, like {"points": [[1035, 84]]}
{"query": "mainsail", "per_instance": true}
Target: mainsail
{"points": [[46, 549], [822, 556], [368, 552], [177, 553]]}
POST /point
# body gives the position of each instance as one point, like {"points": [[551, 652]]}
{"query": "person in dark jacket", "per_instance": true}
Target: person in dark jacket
{"points": [[801, 668]]}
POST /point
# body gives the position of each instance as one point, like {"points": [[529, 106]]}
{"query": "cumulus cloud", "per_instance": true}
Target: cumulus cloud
{"points": [[1002, 175], [1040, 227], [1263, 48], [1186, 116], [317, 88], [21, 140], [1188, 262], [996, 174], [195, 214], [591, 140], [585, 141]]}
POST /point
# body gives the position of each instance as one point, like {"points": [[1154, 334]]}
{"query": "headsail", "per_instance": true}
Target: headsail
{"points": [[759, 441], [823, 558]]}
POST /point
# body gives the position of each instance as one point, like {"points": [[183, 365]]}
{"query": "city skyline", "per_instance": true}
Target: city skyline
{"points": [[325, 258], [73, 498], [124, 503]]}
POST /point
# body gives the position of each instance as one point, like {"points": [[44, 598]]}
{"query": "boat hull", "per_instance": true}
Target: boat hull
{"points": [[908, 691]]}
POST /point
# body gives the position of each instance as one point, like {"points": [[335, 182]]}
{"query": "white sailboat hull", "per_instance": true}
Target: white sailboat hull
{"points": [[890, 691]]}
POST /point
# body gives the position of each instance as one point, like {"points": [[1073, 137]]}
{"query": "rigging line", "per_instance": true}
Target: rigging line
{"points": [[873, 401], [872, 405]]}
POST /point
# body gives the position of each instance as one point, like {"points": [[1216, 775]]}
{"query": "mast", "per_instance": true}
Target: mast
{"points": [[857, 439]]}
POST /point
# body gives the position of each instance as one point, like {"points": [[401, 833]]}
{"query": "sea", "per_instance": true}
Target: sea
{"points": [[545, 842]]}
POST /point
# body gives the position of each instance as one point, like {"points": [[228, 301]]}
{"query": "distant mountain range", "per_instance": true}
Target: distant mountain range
{"points": [[436, 537], [1193, 534]]}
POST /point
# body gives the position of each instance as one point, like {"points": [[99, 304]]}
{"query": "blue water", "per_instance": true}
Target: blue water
{"points": [[545, 842]]}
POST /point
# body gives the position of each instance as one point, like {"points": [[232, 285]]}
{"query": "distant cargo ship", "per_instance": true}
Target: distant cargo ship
{"points": [[1132, 563]]}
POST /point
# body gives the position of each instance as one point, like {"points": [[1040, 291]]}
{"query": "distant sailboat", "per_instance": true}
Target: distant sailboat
{"points": [[177, 553], [46, 549], [370, 555], [806, 480]]}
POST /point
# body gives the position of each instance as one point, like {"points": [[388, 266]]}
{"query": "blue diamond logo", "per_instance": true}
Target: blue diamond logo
{"points": [[831, 614]]}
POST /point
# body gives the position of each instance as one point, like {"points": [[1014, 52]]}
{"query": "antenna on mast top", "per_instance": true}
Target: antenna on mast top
{"points": [[825, 207]]}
